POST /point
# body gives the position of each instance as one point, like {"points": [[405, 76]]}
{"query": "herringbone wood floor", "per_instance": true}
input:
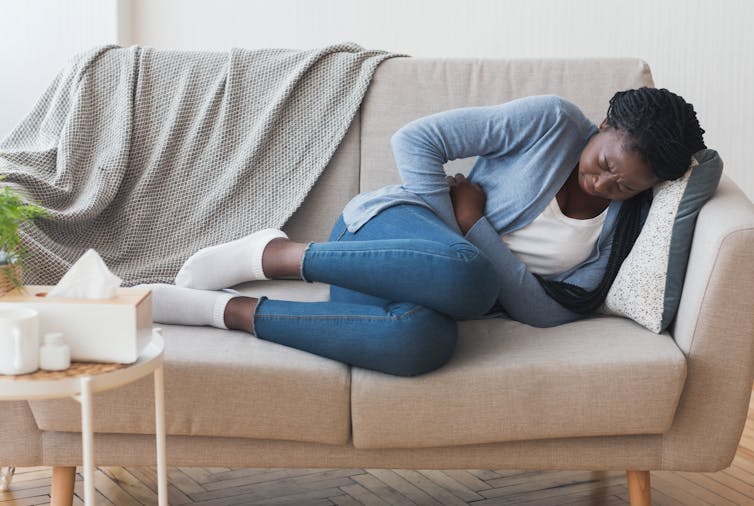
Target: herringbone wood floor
{"points": [[224, 486]]}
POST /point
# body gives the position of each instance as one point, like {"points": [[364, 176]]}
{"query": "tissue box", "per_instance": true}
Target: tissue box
{"points": [[98, 330]]}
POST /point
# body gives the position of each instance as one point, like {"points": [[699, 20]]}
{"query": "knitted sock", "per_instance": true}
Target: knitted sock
{"points": [[227, 264], [187, 306]]}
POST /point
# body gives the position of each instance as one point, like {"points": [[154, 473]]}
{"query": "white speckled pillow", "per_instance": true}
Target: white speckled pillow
{"points": [[648, 286]]}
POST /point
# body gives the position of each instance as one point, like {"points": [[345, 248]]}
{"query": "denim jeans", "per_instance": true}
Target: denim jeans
{"points": [[397, 287]]}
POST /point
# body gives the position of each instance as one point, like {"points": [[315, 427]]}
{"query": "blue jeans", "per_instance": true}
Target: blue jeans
{"points": [[397, 287]]}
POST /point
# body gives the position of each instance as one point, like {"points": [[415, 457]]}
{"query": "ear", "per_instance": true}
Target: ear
{"points": [[603, 124]]}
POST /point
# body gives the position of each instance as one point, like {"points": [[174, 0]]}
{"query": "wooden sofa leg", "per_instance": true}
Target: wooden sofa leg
{"points": [[63, 479], [639, 488]]}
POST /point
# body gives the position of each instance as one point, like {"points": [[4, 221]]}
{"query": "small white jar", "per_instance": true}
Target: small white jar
{"points": [[54, 354]]}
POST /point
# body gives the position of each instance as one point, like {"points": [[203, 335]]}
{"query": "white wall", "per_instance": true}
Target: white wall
{"points": [[700, 49], [36, 39]]}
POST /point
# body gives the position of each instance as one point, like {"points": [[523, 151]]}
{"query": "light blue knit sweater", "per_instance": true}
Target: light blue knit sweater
{"points": [[526, 150]]}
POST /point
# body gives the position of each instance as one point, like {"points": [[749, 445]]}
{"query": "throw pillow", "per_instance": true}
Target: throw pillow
{"points": [[648, 286]]}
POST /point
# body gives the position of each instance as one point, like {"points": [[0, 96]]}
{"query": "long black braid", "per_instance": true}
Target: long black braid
{"points": [[665, 132]]}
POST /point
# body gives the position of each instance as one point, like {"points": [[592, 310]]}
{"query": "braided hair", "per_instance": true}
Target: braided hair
{"points": [[663, 129]]}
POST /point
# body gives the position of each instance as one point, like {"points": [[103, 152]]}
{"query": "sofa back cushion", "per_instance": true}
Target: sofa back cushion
{"points": [[338, 183], [403, 89]]}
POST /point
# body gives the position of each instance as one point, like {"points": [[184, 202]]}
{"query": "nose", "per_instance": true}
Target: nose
{"points": [[601, 184]]}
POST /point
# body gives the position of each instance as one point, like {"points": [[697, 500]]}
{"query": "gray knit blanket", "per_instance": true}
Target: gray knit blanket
{"points": [[149, 155]]}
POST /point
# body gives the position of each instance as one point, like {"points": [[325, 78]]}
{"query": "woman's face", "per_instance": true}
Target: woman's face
{"points": [[607, 171]]}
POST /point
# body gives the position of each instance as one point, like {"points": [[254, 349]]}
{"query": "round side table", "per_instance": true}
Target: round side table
{"points": [[84, 378]]}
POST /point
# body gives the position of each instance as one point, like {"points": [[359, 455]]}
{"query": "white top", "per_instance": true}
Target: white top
{"points": [[553, 242]]}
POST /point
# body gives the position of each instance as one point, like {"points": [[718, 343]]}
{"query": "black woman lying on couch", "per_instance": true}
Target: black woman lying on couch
{"points": [[536, 233]]}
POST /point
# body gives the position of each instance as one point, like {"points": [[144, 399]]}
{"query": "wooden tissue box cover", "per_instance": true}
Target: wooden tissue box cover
{"points": [[97, 330]]}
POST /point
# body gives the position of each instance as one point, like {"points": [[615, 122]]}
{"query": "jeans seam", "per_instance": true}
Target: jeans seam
{"points": [[401, 250], [345, 229], [341, 317]]}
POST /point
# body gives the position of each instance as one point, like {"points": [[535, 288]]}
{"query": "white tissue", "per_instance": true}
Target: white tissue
{"points": [[88, 278]]}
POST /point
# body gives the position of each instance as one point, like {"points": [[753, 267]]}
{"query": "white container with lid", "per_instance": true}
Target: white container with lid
{"points": [[54, 354]]}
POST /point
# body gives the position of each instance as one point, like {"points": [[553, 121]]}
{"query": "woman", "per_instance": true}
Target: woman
{"points": [[537, 233]]}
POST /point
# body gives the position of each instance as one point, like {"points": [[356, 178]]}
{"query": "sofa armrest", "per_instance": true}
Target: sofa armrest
{"points": [[714, 327]]}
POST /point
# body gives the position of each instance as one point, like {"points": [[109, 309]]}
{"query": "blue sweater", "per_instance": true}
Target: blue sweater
{"points": [[525, 149]]}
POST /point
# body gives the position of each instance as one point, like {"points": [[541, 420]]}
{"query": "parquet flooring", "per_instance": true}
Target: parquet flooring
{"points": [[220, 486]]}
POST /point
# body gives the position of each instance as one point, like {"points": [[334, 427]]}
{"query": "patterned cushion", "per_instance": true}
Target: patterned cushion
{"points": [[648, 286]]}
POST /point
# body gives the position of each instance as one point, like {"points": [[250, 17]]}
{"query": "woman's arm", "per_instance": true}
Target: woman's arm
{"points": [[521, 295], [423, 146]]}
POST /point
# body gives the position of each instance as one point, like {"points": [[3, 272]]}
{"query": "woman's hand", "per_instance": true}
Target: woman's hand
{"points": [[468, 201]]}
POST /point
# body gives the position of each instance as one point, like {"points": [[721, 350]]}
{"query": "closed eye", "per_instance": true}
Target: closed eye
{"points": [[607, 167]]}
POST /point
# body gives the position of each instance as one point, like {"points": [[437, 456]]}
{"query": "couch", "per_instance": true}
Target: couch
{"points": [[602, 393]]}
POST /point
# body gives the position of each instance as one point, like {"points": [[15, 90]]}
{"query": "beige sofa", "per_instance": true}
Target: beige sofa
{"points": [[598, 394]]}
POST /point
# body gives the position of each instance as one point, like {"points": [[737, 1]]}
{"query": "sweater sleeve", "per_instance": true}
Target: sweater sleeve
{"points": [[422, 147], [521, 295]]}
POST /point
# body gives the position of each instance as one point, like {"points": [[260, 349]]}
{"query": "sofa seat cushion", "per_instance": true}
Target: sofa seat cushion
{"points": [[226, 383], [508, 381]]}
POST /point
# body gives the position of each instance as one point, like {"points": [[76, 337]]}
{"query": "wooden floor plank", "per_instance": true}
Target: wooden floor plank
{"points": [[568, 487], [690, 485], [379, 488], [184, 482], [131, 484], [272, 475], [733, 490], [596, 495], [268, 490], [27, 501], [681, 489], [484, 474], [611, 500], [658, 498], [467, 479], [440, 494], [363, 495], [36, 475], [394, 480], [99, 497], [457, 489], [18, 493], [738, 473], [744, 462], [112, 490], [549, 482], [345, 500], [148, 476], [301, 498]]}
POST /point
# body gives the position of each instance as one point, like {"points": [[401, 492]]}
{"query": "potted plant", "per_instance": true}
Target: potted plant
{"points": [[13, 212]]}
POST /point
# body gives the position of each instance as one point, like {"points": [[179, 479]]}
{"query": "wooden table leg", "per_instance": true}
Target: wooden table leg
{"points": [[63, 478]]}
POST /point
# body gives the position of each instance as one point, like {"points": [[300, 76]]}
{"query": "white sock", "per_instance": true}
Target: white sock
{"points": [[227, 264], [187, 306]]}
